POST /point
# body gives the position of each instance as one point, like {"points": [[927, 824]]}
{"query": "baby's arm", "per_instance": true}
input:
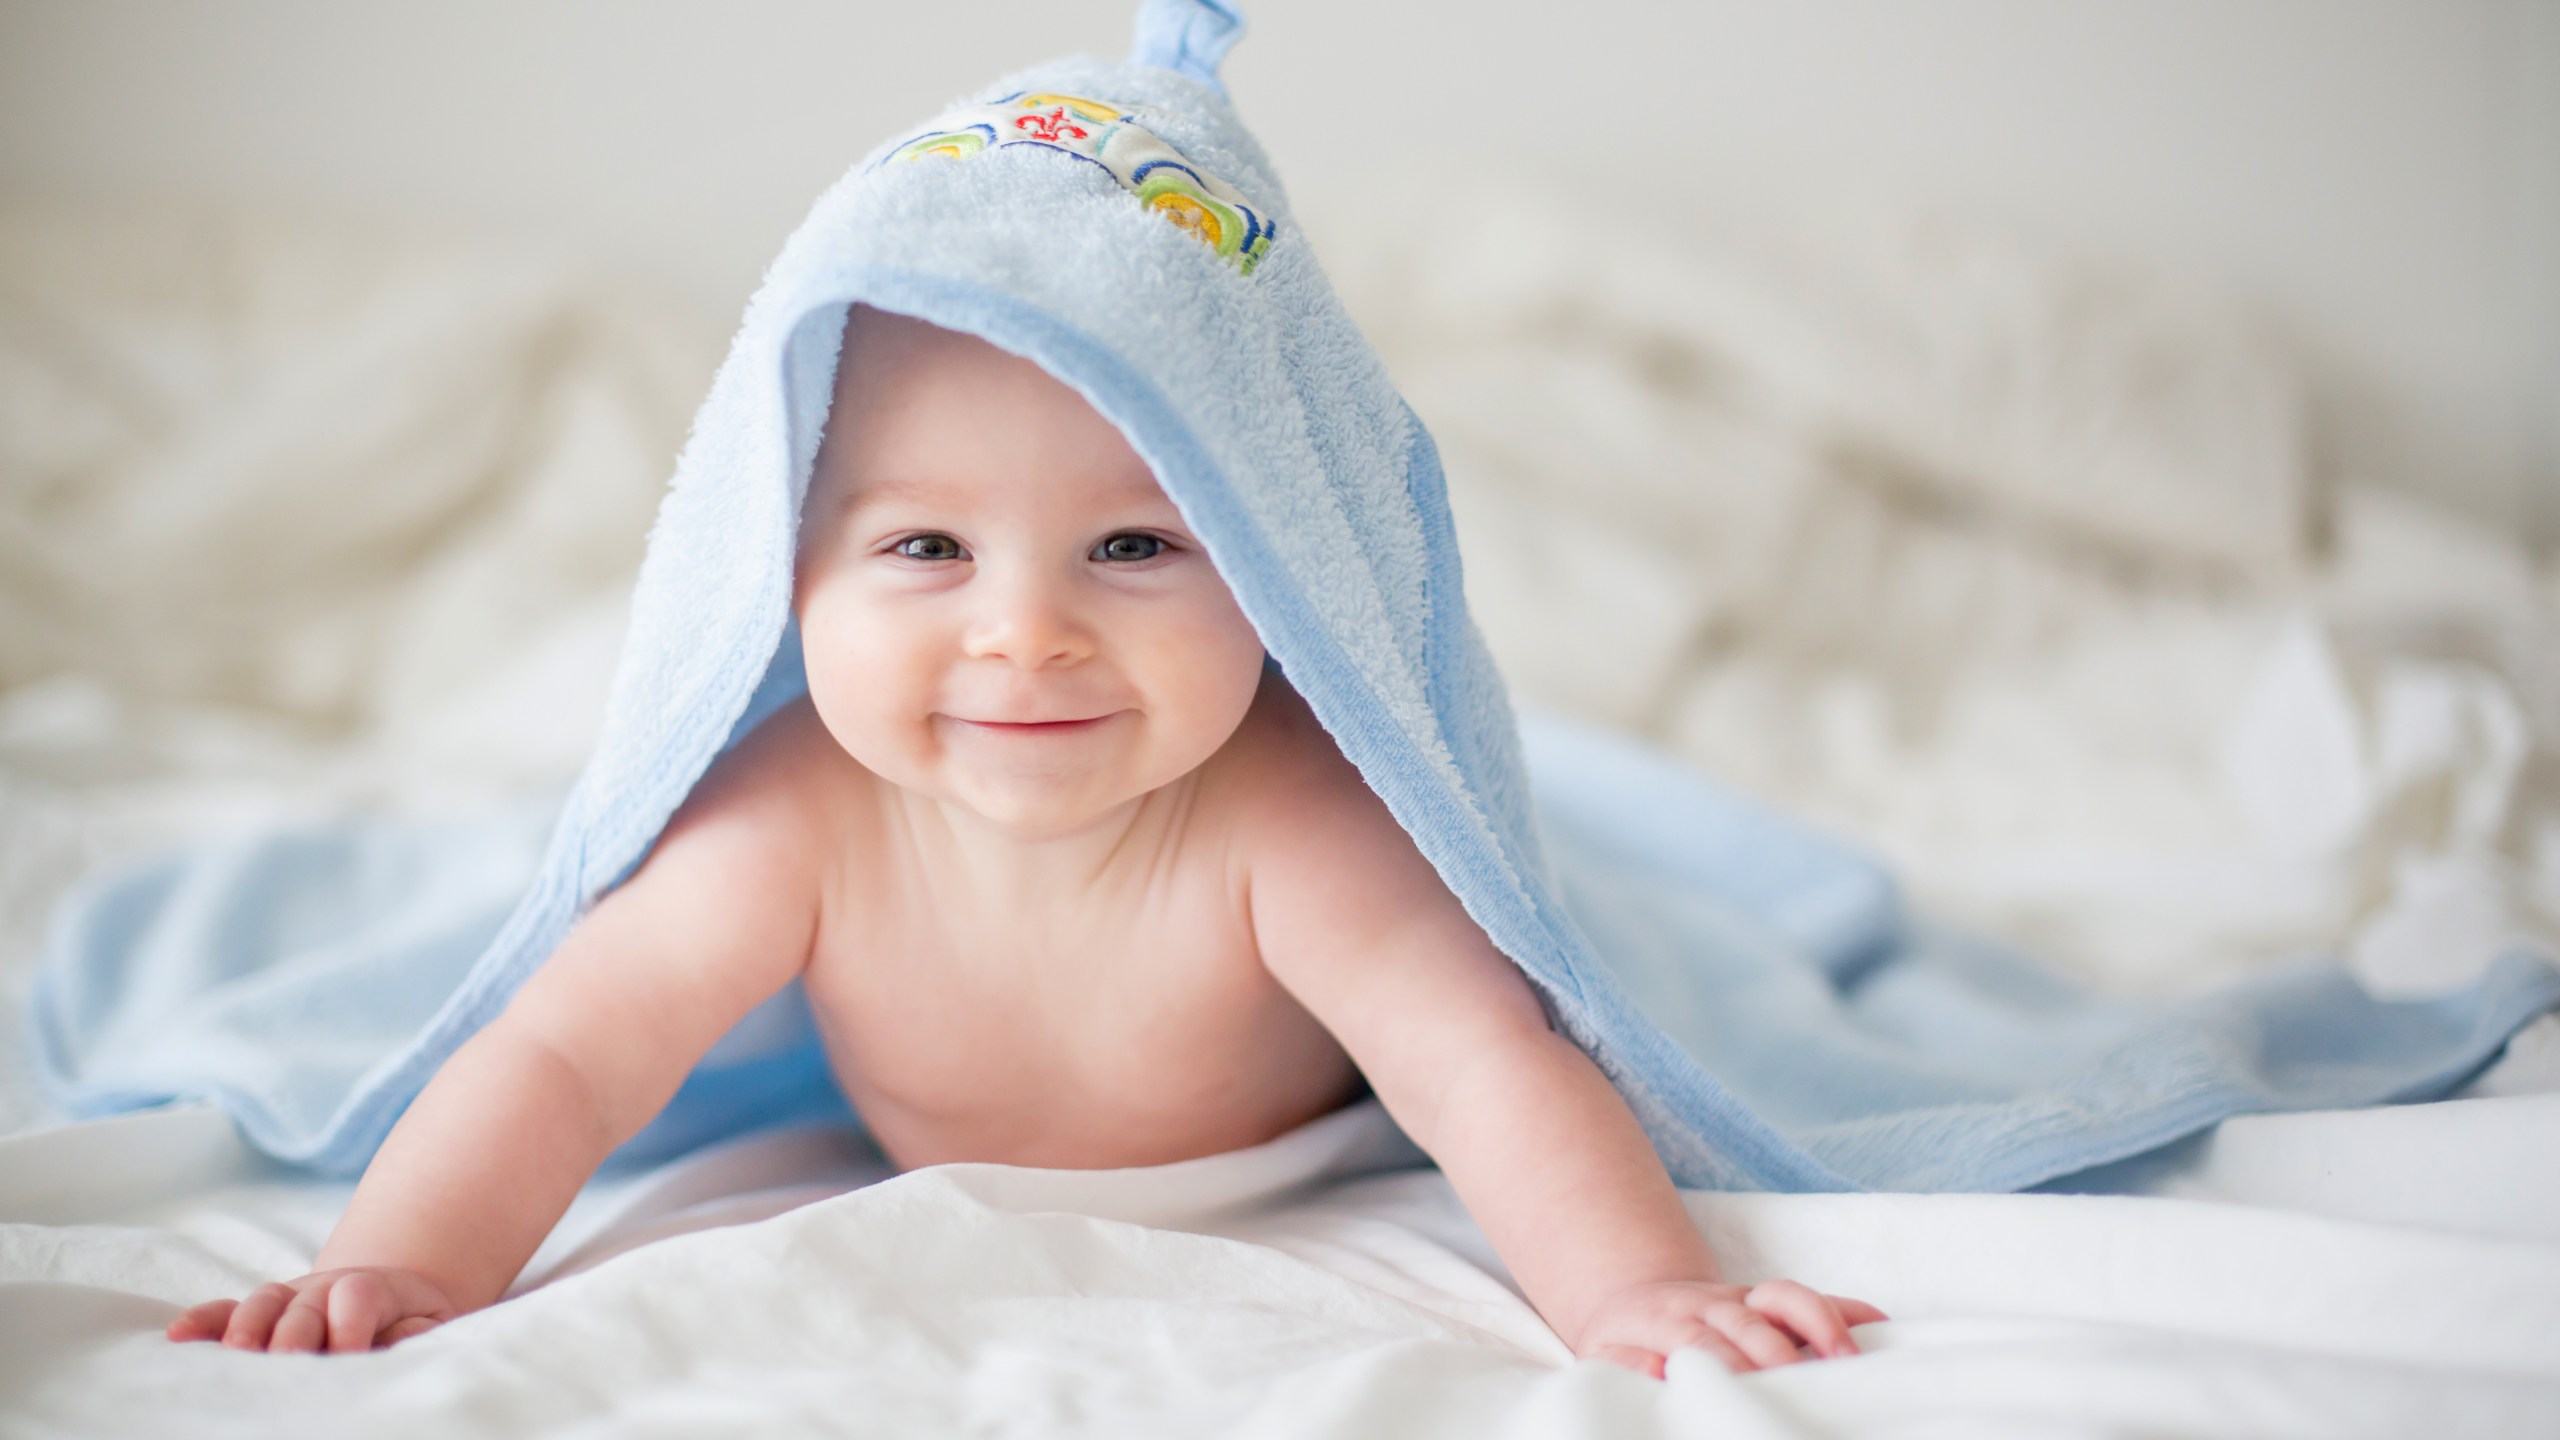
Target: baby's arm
{"points": [[485, 1161], [1357, 925]]}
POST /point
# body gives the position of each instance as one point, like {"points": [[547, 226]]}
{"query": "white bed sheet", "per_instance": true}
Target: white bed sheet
{"points": [[1292, 1290]]}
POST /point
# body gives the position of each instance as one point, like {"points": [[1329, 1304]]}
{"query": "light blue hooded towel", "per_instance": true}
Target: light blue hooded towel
{"points": [[1759, 995]]}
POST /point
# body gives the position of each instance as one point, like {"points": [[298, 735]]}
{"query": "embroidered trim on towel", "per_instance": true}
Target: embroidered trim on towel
{"points": [[1197, 202]]}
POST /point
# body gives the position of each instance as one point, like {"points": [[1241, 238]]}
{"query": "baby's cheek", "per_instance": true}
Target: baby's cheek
{"points": [[864, 683], [1207, 674], [1231, 655]]}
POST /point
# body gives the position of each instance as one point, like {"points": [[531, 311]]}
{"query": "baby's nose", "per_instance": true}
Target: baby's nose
{"points": [[1030, 623]]}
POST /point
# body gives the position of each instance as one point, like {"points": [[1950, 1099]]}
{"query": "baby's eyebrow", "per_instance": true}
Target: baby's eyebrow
{"points": [[912, 488], [895, 487]]}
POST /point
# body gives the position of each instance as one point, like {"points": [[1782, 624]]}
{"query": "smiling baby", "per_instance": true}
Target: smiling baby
{"points": [[1072, 879]]}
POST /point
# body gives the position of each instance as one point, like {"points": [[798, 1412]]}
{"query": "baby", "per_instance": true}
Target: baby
{"points": [[1071, 878]]}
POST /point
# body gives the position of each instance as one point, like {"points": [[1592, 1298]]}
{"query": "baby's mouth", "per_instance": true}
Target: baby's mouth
{"points": [[1036, 727]]}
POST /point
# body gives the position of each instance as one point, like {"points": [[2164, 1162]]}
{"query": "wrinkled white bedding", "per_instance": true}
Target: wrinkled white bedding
{"points": [[2015, 571], [1231, 1296]]}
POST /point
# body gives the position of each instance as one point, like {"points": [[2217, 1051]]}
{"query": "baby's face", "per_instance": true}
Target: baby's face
{"points": [[999, 605]]}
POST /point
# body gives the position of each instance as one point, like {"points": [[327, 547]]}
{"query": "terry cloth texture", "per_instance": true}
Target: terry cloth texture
{"points": [[1773, 1016]]}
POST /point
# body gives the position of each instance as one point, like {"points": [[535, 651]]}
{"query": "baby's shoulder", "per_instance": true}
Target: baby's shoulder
{"points": [[1327, 868], [1292, 789], [735, 876], [1281, 754], [783, 781]]}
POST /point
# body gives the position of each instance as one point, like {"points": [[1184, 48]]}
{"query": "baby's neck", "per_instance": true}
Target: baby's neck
{"points": [[968, 858]]}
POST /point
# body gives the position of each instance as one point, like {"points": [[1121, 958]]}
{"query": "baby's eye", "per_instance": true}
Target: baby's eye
{"points": [[1131, 546], [930, 547]]}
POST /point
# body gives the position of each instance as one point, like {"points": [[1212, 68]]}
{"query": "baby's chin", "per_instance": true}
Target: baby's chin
{"points": [[1038, 783], [1028, 797], [1033, 809]]}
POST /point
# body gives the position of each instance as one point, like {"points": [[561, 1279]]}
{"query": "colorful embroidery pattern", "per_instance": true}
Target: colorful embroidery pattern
{"points": [[1195, 202]]}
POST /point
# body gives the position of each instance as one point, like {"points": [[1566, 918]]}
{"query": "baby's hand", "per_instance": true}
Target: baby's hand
{"points": [[1748, 1327], [354, 1309]]}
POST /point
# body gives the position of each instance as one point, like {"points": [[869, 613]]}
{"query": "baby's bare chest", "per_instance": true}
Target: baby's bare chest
{"points": [[1130, 1028]]}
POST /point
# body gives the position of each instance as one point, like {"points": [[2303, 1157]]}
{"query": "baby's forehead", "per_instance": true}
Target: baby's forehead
{"points": [[924, 413], [872, 333], [883, 352], [990, 490]]}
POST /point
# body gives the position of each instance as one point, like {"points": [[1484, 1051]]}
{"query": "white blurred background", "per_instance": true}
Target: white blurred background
{"points": [[2380, 178], [2104, 454]]}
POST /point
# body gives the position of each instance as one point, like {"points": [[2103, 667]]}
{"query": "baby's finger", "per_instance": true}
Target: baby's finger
{"points": [[415, 1325], [1721, 1348], [1857, 1312], [202, 1322], [304, 1327], [1809, 1315], [1641, 1361], [1752, 1334], [359, 1306], [255, 1319]]}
